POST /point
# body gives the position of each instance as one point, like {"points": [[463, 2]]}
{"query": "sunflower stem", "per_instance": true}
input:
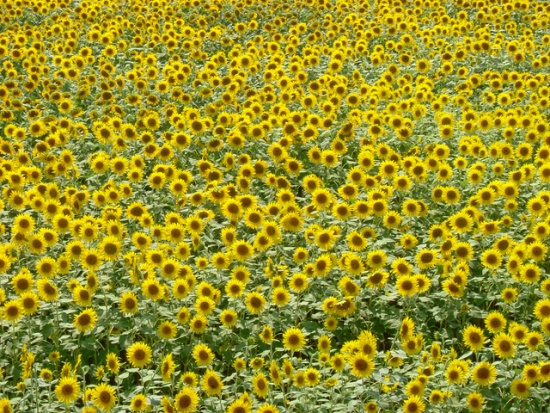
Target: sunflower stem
{"points": [[56, 333], [108, 323], [33, 379]]}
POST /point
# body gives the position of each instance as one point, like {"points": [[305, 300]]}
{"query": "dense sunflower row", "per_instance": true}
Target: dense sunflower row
{"points": [[274, 206]]}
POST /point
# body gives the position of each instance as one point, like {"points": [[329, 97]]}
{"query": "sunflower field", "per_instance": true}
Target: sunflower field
{"points": [[274, 206]]}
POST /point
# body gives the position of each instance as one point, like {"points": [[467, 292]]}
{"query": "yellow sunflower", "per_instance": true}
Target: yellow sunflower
{"points": [[139, 354]]}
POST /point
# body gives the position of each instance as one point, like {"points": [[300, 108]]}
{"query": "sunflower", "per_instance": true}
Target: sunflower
{"points": [[531, 373], [518, 332], [23, 223], [376, 259], [104, 397], [139, 403], [461, 222], [267, 408], [435, 352], [154, 257], [473, 338], [47, 290], [545, 287], [414, 404], [322, 265], [205, 305], [239, 406], [195, 225], [272, 230], [311, 182], [311, 376], [361, 365], [46, 267], [198, 324], [63, 264], [242, 250], [280, 296], [254, 218], [379, 207], [299, 379], [520, 388], [110, 247], [292, 221], [46, 375], [180, 288], [464, 251], [371, 407], [260, 385], [152, 289], [475, 402], [74, 249], [495, 322], [491, 258], [407, 328], [503, 346], [203, 355], [534, 339], [81, 295], [187, 400], [423, 282], [406, 286], [544, 370], [167, 367], [321, 199], [266, 335], [415, 387], [377, 279], [167, 330], [325, 239], [542, 309], [298, 282], [22, 282], [293, 339], [13, 310], [113, 363], [190, 379], [139, 354], [239, 364], [484, 373], [392, 219], [135, 210], [205, 289], [361, 209], [426, 259], [211, 383], [234, 288], [346, 285], [232, 209], [255, 302], [30, 303], [67, 390], [413, 344], [182, 252], [454, 374], [356, 241], [128, 303], [537, 251], [141, 240], [301, 254], [86, 320], [37, 244], [529, 273], [91, 259]]}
